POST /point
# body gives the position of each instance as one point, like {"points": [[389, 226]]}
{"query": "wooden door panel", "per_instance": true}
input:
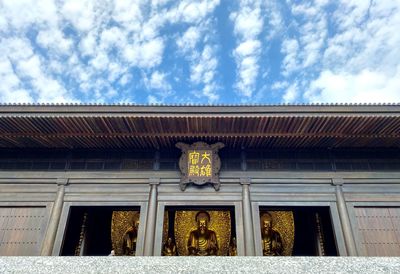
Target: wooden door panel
{"points": [[4, 213], [22, 230], [379, 229]]}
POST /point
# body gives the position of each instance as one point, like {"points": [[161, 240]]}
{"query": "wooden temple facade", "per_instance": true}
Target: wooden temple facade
{"points": [[327, 175]]}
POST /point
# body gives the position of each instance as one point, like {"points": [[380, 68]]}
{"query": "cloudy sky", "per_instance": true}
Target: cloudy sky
{"points": [[202, 52]]}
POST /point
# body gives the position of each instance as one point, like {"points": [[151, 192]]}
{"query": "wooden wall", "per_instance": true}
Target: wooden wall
{"points": [[21, 230], [379, 230], [33, 193]]}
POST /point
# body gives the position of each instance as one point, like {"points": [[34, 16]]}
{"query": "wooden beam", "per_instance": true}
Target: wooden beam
{"points": [[197, 134]]}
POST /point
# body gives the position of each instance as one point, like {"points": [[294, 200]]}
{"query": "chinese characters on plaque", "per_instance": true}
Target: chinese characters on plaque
{"points": [[199, 164]]}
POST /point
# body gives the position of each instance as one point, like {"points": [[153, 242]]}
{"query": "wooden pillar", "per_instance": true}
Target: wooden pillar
{"points": [[247, 218], [151, 218], [344, 218], [51, 232]]}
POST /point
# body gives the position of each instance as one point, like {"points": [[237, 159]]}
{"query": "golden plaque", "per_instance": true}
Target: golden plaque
{"points": [[199, 164]]}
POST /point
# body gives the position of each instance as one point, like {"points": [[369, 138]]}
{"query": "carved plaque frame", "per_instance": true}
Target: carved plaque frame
{"points": [[215, 167]]}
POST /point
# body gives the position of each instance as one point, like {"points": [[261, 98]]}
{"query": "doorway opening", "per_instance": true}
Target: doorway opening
{"points": [[101, 231], [297, 231]]}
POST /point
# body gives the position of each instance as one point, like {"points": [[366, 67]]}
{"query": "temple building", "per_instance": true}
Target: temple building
{"points": [[242, 180]]}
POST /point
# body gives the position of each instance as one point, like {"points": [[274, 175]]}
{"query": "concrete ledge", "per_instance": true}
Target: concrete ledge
{"points": [[198, 265]]}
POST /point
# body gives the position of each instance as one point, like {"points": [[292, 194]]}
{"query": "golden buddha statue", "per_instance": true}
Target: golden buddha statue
{"points": [[129, 240], [169, 248], [202, 241], [271, 239]]}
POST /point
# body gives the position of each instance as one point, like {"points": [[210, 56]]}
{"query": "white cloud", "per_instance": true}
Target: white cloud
{"points": [[305, 9], [372, 44], [290, 48], [193, 11], [274, 21], [357, 11], [248, 47], [24, 73], [364, 87], [80, 13], [151, 53], [151, 28], [321, 3], [203, 63], [111, 37], [342, 52], [11, 87], [312, 32], [159, 87], [291, 93], [145, 55], [159, 3], [203, 71], [85, 49], [115, 70], [248, 24], [88, 44], [29, 67], [206, 65], [53, 39], [151, 99], [62, 50], [188, 41], [125, 79], [361, 62], [22, 14], [3, 24], [129, 14], [209, 92], [101, 61], [158, 81], [248, 71], [279, 85], [45, 87]]}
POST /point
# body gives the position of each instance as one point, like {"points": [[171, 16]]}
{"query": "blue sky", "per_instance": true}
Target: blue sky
{"points": [[200, 52]]}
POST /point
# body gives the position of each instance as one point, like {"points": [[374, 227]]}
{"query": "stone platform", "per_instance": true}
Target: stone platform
{"points": [[198, 265]]}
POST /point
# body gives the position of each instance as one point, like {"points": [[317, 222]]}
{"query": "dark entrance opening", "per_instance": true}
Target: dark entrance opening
{"points": [[88, 230], [312, 226]]}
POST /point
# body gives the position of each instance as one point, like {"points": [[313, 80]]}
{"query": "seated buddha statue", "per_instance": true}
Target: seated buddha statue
{"points": [[129, 240], [202, 241], [271, 239], [169, 248]]}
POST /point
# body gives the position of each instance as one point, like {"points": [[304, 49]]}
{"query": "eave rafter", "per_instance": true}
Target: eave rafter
{"points": [[162, 126], [197, 134]]}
